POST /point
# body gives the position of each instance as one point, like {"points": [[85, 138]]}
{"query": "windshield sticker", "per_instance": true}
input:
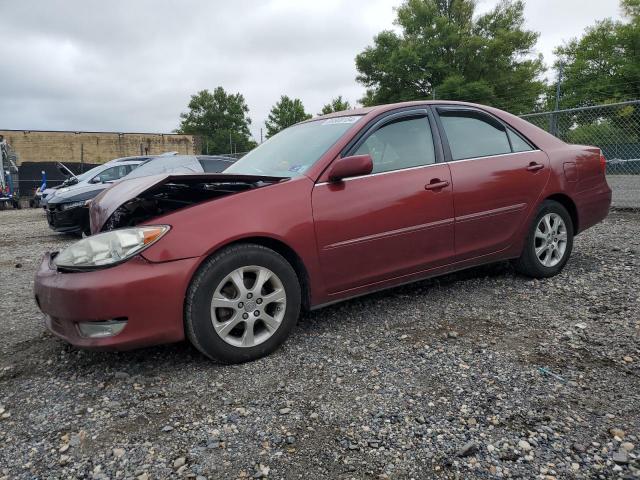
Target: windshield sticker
{"points": [[296, 168], [338, 120]]}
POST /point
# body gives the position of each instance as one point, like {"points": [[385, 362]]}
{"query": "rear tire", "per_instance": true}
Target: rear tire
{"points": [[242, 304], [549, 242]]}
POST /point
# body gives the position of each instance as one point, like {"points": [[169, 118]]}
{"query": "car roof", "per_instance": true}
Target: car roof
{"points": [[348, 113], [394, 106], [132, 159]]}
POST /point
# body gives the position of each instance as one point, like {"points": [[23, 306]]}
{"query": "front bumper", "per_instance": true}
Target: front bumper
{"points": [[67, 221], [150, 296]]}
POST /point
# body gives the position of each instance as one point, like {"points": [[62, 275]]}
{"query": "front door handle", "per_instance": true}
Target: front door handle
{"points": [[534, 167], [436, 184]]}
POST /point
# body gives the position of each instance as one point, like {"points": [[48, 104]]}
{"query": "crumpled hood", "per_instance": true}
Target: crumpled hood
{"points": [[105, 204]]}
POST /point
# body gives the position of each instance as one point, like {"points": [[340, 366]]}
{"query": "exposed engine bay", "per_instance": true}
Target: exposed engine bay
{"points": [[175, 195]]}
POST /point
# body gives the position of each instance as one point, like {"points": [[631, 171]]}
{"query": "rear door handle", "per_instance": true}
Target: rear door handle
{"points": [[534, 167], [436, 184]]}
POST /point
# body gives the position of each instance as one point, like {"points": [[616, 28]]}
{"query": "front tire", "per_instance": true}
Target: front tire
{"points": [[549, 242], [242, 304]]}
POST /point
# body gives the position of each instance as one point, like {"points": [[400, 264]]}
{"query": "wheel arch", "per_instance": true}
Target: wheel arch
{"points": [[283, 249], [571, 207]]}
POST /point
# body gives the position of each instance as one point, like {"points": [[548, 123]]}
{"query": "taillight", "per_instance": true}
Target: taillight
{"points": [[603, 162]]}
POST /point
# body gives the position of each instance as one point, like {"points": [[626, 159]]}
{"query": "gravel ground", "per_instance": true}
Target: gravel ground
{"points": [[626, 190], [482, 374]]}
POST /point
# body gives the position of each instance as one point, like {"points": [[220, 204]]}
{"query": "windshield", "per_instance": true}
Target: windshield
{"points": [[291, 152], [87, 175], [173, 164]]}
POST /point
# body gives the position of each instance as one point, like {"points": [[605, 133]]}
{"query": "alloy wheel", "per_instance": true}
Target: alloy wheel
{"points": [[550, 241], [248, 306]]}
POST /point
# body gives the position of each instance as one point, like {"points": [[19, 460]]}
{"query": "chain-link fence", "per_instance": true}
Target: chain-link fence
{"points": [[615, 128]]}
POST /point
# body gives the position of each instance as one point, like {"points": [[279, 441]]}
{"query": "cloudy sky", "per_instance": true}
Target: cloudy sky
{"points": [[132, 65]]}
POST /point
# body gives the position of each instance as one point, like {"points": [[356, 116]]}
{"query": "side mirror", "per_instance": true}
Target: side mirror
{"points": [[353, 166], [96, 179]]}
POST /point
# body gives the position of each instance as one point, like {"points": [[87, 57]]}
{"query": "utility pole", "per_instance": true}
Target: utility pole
{"points": [[260, 135], [230, 144], [553, 124], [560, 72]]}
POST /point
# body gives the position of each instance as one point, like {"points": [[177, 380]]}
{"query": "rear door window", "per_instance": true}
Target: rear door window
{"points": [[472, 134]]}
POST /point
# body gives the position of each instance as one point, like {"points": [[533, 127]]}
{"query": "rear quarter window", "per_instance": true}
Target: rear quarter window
{"points": [[517, 142]]}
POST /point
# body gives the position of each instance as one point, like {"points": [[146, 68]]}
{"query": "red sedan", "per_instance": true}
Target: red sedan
{"points": [[328, 209]]}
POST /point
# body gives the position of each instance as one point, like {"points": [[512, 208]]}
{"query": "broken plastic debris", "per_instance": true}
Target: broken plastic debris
{"points": [[546, 371]]}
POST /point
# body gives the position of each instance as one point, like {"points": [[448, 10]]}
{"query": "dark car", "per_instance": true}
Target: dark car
{"points": [[326, 210], [67, 209], [65, 206]]}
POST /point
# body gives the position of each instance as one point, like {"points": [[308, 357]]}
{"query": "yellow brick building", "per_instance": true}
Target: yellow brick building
{"points": [[93, 147]]}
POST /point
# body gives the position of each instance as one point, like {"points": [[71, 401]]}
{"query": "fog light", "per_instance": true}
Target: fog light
{"points": [[107, 328]]}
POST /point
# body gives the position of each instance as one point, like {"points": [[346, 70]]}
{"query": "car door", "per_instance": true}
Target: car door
{"points": [[393, 222], [497, 177]]}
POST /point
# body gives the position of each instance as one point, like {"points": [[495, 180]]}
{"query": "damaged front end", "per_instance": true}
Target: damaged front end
{"points": [[132, 202]]}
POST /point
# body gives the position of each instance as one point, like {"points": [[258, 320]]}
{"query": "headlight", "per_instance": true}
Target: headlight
{"points": [[70, 205], [109, 248]]}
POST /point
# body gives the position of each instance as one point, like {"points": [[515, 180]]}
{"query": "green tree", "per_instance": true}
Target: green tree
{"points": [[284, 113], [336, 105], [603, 66], [444, 52], [599, 68], [221, 119], [631, 8]]}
